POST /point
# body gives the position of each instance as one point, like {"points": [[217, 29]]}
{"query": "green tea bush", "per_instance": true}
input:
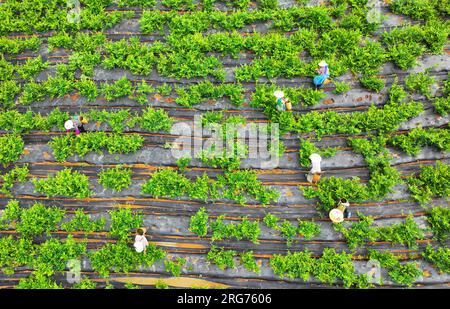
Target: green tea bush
{"points": [[69, 145], [53, 255], [120, 257], [418, 138], [116, 179], [11, 148], [122, 221], [199, 222], [17, 174], [421, 83], [439, 220], [64, 183], [83, 222], [38, 220], [439, 257], [433, 181], [15, 253], [221, 257], [247, 259], [404, 274]]}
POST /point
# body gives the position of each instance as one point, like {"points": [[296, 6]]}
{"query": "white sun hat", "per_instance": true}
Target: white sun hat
{"points": [[336, 215], [68, 124], [323, 63], [278, 94], [139, 246]]}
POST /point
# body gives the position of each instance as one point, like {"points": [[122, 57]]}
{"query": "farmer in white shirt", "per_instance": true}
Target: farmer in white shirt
{"points": [[140, 241]]}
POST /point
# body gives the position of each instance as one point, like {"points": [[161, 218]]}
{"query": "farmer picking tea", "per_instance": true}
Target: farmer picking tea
{"points": [[282, 103], [140, 241], [314, 174], [77, 123], [324, 74]]}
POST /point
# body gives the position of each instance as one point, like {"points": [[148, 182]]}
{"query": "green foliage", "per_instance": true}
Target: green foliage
{"points": [[154, 120], [122, 221], [31, 68], [87, 88], [421, 83], [202, 91], [239, 184], [15, 46], [116, 120], [120, 88], [64, 183], [331, 189], [439, 220], [245, 230], [307, 148], [329, 268], [69, 145], [39, 219], [57, 87], [433, 181], [442, 105], [404, 274], [288, 231], [248, 261], [221, 257], [166, 183], [37, 280], [117, 178], [418, 138], [417, 9], [174, 267], [15, 253], [83, 222], [439, 257], [271, 221], [404, 233], [183, 163], [17, 174], [199, 223], [372, 83], [341, 87], [33, 92], [358, 233], [8, 91], [85, 284], [11, 148], [161, 285], [308, 229], [235, 185], [53, 255], [120, 257]]}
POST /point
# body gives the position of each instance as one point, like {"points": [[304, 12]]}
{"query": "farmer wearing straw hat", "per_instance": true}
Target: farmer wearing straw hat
{"points": [[314, 174], [338, 214], [324, 73], [140, 241], [282, 103], [77, 123]]}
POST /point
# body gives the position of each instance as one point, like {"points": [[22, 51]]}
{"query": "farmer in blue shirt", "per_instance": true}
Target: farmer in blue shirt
{"points": [[324, 73]]}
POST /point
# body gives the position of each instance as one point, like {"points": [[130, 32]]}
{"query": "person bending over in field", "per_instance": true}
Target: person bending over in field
{"points": [[77, 123], [324, 73], [140, 241]]}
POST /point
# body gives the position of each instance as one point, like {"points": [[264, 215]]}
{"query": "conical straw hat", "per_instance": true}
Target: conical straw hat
{"points": [[278, 94], [336, 215], [323, 63], [68, 124]]}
